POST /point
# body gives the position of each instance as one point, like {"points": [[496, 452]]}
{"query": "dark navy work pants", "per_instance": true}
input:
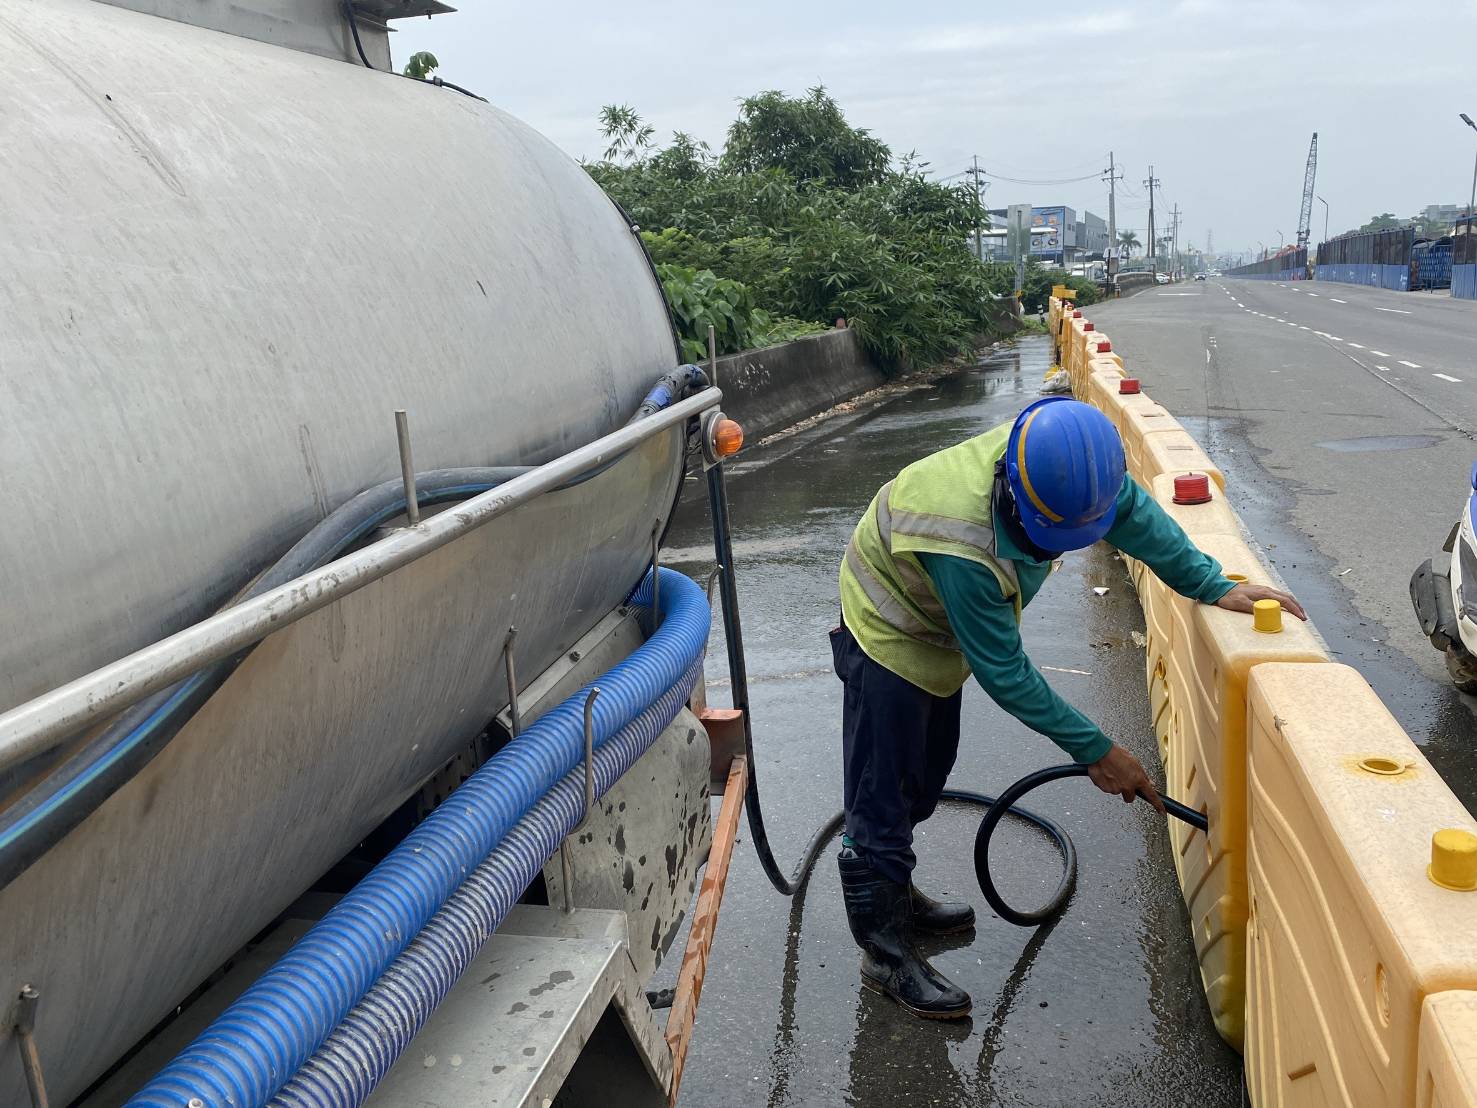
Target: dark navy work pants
{"points": [[898, 745]]}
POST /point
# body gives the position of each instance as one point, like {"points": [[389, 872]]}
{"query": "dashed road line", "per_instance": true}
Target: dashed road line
{"points": [[1379, 354], [1445, 377], [1383, 368], [1336, 300], [1412, 365], [1397, 311], [1356, 346]]}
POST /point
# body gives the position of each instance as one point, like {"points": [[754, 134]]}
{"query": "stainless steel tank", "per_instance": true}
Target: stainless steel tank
{"points": [[224, 265]]}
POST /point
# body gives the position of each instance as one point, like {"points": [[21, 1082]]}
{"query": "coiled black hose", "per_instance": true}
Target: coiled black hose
{"points": [[1006, 803]]}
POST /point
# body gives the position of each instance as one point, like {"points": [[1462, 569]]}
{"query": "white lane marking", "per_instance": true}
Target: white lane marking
{"points": [[1379, 354], [1333, 338], [1397, 311], [1312, 294], [1383, 368], [1207, 357], [1411, 364], [1336, 300], [1302, 326], [1356, 346], [1444, 377]]}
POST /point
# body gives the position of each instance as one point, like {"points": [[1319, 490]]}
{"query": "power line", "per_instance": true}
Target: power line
{"points": [[1045, 181]]}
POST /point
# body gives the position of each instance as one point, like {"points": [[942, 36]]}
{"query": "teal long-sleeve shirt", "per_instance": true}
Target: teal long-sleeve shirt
{"points": [[985, 625]]}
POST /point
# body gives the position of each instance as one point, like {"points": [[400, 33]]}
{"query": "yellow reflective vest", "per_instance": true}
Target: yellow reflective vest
{"points": [[938, 505]]}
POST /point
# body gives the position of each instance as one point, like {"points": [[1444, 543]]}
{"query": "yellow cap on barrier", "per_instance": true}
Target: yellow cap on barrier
{"points": [[1266, 616], [1454, 859]]}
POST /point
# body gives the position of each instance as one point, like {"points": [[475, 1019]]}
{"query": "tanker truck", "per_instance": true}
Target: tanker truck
{"points": [[349, 732]]}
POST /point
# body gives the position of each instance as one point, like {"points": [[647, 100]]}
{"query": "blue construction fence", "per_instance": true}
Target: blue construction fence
{"points": [[1430, 264], [1464, 263], [1380, 259], [1290, 265]]}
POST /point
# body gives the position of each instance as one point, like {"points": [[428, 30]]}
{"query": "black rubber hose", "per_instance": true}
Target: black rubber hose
{"points": [[353, 17], [72, 791], [1006, 803]]}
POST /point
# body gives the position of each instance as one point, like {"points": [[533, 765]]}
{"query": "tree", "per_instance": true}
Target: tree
{"points": [[1382, 222], [623, 128], [889, 254], [1129, 240], [807, 137]]}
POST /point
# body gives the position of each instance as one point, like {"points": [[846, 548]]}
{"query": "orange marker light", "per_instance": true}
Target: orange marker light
{"points": [[728, 436]]}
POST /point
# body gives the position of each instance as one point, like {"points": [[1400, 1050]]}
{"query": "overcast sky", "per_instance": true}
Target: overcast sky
{"points": [[1221, 96]]}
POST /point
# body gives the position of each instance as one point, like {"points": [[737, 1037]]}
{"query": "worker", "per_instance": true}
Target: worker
{"points": [[932, 587]]}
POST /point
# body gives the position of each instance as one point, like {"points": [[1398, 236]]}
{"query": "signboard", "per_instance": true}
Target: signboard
{"points": [[1055, 230]]}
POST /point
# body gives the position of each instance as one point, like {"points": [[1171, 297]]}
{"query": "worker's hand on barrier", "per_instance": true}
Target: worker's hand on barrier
{"points": [[1244, 595], [1119, 772]]}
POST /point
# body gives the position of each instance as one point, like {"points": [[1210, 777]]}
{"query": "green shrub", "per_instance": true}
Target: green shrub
{"points": [[808, 215], [699, 299], [1036, 289]]}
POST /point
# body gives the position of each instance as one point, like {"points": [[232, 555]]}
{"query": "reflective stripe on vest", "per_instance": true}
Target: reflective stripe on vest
{"points": [[887, 606]]}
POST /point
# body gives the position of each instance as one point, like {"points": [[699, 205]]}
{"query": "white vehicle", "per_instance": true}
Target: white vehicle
{"points": [[1444, 592]]}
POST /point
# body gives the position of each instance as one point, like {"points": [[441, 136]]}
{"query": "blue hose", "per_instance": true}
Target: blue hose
{"points": [[361, 1050], [257, 1044]]}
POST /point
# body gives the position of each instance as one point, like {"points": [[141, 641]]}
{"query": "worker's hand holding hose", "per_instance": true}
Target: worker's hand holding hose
{"points": [[1243, 596], [1119, 772]]}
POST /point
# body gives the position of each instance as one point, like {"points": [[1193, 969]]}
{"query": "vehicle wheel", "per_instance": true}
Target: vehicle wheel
{"points": [[1463, 670]]}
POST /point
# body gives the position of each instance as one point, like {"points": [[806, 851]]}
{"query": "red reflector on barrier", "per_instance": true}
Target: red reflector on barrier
{"points": [[1088, 327], [1192, 488], [1076, 315], [1105, 348], [1128, 386]]}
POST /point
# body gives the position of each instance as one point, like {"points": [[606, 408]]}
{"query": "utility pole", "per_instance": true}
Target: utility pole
{"points": [[1174, 232], [1151, 184], [1111, 255], [979, 210]]}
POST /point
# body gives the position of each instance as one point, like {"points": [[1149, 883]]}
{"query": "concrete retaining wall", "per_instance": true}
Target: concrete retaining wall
{"points": [[775, 387], [1130, 283], [768, 390]]}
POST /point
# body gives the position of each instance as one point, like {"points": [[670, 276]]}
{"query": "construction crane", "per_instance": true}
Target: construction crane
{"points": [[1306, 216]]}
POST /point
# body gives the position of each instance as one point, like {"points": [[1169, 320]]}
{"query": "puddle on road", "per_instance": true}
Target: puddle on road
{"points": [[1368, 443]]}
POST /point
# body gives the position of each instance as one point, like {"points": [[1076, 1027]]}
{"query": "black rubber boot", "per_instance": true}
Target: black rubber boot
{"points": [[880, 914], [934, 917]]}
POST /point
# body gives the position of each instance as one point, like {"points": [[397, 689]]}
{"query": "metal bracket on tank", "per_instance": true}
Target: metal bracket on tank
{"points": [[564, 867], [656, 577], [25, 1034], [515, 716], [407, 468]]}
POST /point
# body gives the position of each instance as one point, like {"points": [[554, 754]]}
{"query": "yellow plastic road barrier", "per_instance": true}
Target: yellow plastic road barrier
{"points": [[1349, 935], [1174, 451], [1213, 654], [1101, 392], [1446, 1061], [1216, 517], [1142, 417]]}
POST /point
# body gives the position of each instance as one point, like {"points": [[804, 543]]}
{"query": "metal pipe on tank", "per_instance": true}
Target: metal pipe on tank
{"points": [[38, 725]]}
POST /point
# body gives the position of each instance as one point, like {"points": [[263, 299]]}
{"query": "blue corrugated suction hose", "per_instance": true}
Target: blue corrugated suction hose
{"points": [[361, 1050], [257, 1044]]}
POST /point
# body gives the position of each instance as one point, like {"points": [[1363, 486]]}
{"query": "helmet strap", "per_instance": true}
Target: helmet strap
{"points": [[1007, 511]]}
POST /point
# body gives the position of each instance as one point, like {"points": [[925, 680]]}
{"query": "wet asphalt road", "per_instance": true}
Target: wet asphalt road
{"points": [[1345, 454], [1102, 1008]]}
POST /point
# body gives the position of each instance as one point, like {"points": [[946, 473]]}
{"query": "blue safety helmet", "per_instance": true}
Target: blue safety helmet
{"points": [[1064, 462]]}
